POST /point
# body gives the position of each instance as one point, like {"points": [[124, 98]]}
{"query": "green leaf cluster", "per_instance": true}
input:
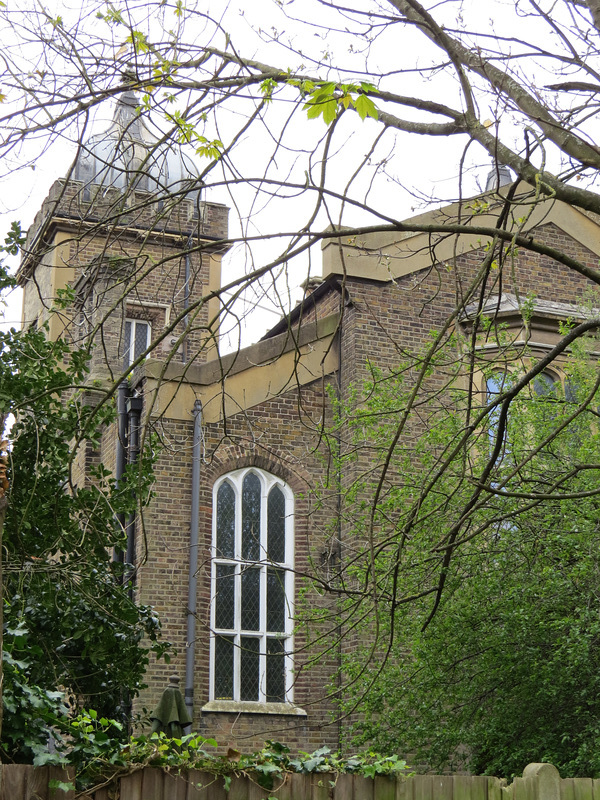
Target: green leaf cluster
{"points": [[187, 134], [89, 744], [507, 670], [326, 99], [72, 631]]}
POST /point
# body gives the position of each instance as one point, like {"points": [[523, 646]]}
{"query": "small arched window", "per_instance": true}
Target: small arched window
{"points": [[545, 385], [496, 384], [252, 588]]}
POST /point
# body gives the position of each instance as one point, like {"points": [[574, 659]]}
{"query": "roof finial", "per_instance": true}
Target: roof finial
{"points": [[126, 114], [498, 176]]}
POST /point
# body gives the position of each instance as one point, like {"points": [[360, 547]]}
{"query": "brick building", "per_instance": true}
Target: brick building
{"points": [[233, 526]]}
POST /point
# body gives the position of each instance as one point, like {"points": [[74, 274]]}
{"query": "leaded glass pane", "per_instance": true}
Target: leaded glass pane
{"points": [[573, 392], [276, 525], [496, 385], [251, 518], [251, 600], [225, 599], [127, 357], [141, 339], [275, 600], [226, 521], [224, 668], [275, 671], [544, 385], [249, 665]]}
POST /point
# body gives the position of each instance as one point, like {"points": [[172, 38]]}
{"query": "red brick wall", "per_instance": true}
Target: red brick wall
{"points": [[270, 437]]}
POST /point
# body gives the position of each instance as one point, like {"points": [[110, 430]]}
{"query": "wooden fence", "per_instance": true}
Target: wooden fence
{"points": [[539, 782]]}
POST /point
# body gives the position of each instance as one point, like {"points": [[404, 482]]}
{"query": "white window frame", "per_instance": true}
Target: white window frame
{"points": [[267, 482], [129, 352]]}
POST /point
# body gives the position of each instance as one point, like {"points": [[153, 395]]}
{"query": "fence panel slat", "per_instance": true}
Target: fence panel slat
{"points": [[532, 790], [174, 787], [197, 784], [238, 789], [494, 790], [596, 788], [319, 788], [152, 784], [14, 781], [282, 790], [65, 776], [567, 789], [405, 788], [384, 788], [300, 787], [423, 788], [256, 792], [519, 791], [131, 786], [583, 789], [37, 783], [463, 786], [442, 787], [479, 787], [343, 788], [362, 788], [215, 790]]}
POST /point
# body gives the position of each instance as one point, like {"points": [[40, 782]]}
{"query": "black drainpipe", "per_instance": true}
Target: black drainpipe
{"points": [[190, 652], [134, 413], [121, 452]]}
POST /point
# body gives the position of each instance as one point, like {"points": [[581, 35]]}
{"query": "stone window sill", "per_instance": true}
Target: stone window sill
{"points": [[246, 707]]}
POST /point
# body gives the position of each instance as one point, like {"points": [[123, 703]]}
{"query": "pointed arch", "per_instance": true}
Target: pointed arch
{"points": [[252, 588]]}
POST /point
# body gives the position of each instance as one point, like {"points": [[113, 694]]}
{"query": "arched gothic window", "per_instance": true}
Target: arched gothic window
{"points": [[252, 588], [496, 384], [545, 385]]}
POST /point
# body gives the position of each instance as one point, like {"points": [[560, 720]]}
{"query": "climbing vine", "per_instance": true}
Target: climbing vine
{"points": [[90, 744]]}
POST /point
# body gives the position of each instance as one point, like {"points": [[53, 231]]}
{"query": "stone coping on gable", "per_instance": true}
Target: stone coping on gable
{"points": [[419, 242], [239, 381], [258, 354]]}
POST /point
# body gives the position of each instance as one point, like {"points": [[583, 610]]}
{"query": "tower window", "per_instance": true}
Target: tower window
{"points": [[137, 339], [252, 588]]}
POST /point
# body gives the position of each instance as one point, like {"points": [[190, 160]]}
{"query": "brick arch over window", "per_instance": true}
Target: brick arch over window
{"points": [[293, 473], [252, 588]]}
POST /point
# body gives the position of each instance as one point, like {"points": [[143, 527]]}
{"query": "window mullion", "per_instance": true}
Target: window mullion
{"points": [[262, 689], [213, 610], [263, 638], [289, 580], [288, 531], [238, 595]]}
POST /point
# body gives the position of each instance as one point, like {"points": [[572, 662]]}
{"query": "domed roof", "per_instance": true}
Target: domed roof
{"points": [[127, 154]]}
